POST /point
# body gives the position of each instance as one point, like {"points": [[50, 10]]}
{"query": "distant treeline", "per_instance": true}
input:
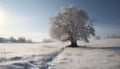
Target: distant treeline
{"points": [[113, 36], [110, 36], [13, 40], [47, 40]]}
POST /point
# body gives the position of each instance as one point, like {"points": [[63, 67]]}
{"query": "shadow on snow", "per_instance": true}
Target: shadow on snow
{"points": [[106, 48]]}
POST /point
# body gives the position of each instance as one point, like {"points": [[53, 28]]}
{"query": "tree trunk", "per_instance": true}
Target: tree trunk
{"points": [[73, 43]]}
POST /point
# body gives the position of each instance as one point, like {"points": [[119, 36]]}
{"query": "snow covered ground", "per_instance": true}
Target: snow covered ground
{"points": [[98, 54], [28, 56]]}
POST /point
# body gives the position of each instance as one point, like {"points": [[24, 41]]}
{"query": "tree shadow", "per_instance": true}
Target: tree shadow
{"points": [[105, 48]]}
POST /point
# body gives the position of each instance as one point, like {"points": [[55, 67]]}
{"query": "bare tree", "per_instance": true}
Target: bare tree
{"points": [[21, 40], [12, 39], [97, 37], [71, 24]]}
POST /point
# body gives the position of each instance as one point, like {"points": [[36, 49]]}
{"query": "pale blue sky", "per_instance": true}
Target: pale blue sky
{"points": [[30, 18]]}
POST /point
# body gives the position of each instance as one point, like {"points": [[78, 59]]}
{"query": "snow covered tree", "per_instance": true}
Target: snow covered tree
{"points": [[71, 24]]}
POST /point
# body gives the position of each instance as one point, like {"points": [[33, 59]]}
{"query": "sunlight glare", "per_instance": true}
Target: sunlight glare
{"points": [[2, 17]]}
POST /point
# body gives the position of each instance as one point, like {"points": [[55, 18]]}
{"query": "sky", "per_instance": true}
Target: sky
{"points": [[30, 18]]}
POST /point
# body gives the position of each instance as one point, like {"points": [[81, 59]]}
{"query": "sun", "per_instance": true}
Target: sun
{"points": [[2, 15], [3, 20]]}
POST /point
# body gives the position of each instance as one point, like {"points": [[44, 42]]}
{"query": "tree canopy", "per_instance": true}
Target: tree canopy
{"points": [[71, 24]]}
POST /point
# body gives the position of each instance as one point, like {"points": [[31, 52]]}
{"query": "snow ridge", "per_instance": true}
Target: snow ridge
{"points": [[41, 63], [48, 58]]}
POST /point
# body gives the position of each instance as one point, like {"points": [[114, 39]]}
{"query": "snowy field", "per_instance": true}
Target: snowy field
{"points": [[98, 54]]}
